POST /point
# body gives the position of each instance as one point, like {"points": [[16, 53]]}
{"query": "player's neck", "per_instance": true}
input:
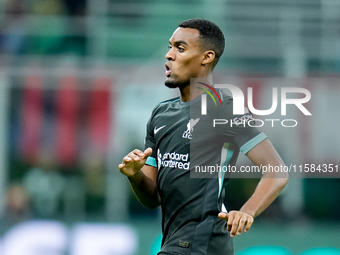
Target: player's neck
{"points": [[193, 89]]}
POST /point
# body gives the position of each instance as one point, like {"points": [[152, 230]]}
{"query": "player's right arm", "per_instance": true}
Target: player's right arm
{"points": [[143, 178]]}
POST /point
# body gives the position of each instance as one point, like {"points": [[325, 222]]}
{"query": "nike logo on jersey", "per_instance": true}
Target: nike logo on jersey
{"points": [[155, 131]]}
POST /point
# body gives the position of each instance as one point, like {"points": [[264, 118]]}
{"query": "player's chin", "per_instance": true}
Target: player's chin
{"points": [[174, 83], [171, 83]]}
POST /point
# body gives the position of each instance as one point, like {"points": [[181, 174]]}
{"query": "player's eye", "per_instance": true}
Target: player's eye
{"points": [[169, 47], [180, 49]]}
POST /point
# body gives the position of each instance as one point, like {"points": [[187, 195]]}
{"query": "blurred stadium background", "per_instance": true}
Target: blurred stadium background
{"points": [[78, 81]]}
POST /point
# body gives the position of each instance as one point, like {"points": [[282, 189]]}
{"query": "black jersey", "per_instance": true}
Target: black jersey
{"points": [[182, 139]]}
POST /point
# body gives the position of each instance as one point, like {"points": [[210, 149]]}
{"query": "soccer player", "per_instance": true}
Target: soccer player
{"points": [[194, 220]]}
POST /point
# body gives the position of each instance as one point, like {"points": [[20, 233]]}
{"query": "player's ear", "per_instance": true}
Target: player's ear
{"points": [[208, 57]]}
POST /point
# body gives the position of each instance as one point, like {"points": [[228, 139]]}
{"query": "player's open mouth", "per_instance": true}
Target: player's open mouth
{"points": [[167, 71]]}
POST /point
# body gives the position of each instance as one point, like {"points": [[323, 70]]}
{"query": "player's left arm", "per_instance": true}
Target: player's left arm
{"points": [[267, 190]]}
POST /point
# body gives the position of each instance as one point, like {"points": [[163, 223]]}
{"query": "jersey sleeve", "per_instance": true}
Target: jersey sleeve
{"points": [[241, 129], [150, 142]]}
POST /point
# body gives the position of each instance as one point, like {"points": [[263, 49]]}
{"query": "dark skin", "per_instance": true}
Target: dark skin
{"points": [[186, 59]]}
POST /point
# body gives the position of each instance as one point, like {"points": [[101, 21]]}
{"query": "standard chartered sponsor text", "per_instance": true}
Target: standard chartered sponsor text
{"points": [[174, 160]]}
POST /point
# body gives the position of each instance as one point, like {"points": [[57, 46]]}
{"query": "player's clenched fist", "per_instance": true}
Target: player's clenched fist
{"points": [[237, 221], [134, 161]]}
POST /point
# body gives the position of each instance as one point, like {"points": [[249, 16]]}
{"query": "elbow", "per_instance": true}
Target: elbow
{"points": [[283, 180], [151, 205], [154, 206], [280, 180]]}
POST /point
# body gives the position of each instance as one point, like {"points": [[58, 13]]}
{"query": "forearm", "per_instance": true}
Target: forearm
{"points": [[143, 178], [271, 184], [145, 190], [265, 193]]}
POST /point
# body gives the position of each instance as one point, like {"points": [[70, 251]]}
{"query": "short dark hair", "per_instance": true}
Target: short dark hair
{"points": [[211, 36]]}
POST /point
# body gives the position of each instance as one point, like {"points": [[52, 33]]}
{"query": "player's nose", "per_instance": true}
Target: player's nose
{"points": [[170, 55]]}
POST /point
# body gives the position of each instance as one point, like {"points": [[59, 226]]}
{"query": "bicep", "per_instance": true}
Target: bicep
{"points": [[264, 154]]}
